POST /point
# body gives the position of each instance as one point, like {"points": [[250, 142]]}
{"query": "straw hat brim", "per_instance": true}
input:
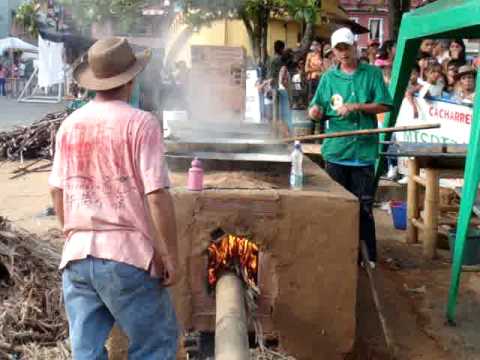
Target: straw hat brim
{"points": [[85, 77], [459, 75]]}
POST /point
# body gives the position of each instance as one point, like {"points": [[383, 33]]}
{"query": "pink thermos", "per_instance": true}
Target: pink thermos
{"points": [[195, 176]]}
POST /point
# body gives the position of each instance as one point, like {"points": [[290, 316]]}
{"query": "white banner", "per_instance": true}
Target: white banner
{"points": [[455, 122]]}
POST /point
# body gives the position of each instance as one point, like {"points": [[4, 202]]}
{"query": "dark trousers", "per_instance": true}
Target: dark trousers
{"points": [[312, 88], [360, 181]]}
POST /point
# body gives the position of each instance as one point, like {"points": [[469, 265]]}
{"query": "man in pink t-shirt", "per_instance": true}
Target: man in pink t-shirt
{"points": [[110, 189]]}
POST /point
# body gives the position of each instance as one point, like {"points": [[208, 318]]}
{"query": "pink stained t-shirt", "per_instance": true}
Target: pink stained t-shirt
{"points": [[108, 156]]}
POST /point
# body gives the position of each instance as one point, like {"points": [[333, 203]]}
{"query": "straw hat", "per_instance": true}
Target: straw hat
{"points": [[464, 70], [111, 63]]}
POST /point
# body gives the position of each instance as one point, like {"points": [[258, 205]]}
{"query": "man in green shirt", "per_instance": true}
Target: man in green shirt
{"points": [[349, 97]]}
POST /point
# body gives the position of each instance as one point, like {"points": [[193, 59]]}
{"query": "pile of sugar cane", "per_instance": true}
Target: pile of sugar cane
{"points": [[33, 324], [31, 142]]}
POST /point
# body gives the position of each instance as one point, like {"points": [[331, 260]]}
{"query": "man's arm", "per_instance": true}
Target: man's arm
{"points": [[57, 198], [162, 213], [373, 109]]}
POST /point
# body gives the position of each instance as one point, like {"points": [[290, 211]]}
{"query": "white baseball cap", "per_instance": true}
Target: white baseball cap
{"points": [[343, 36]]}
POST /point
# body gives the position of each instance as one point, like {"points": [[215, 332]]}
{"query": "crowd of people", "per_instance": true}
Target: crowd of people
{"points": [[13, 74], [442, 70]]}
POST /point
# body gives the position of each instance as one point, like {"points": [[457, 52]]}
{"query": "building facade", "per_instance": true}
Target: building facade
{"points": [[7, 13], [373, 15]]}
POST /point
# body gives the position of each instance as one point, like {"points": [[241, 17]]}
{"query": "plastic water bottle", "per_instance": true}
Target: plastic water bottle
{"points": [[296, 174]]}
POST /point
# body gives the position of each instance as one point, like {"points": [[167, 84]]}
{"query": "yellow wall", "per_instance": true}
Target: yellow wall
{"points": [[213, 34], [237, 35], [287, 32], [226, 33]]}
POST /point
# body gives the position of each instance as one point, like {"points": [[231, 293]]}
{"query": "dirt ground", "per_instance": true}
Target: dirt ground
{"points": [[413, 291]]}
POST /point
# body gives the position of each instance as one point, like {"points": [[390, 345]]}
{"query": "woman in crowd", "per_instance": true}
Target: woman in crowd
{"points": [[328, 57], [372, 50], [314, 67], [386, 54], [457, 51], [465, 91], [452, 71]]}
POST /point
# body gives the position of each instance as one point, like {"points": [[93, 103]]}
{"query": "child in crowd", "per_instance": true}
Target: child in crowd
{"points": [[433, 84], [413, 87], [423, 60], [427, 47]]}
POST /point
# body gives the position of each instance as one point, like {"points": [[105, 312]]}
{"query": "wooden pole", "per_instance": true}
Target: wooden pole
{"points": [[363, 132], [231, 332], [432, 199], [412, 201]]}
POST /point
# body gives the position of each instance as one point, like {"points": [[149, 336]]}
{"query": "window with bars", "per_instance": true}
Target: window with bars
{"points": [[375, 25]]}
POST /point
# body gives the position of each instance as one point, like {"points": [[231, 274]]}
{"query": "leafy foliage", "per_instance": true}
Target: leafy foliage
{"points": [[26, 15], [124, 12], [302, 10], [255, 14]]}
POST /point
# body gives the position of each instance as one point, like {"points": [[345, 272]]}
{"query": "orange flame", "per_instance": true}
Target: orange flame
{"points": [[229, 251]]}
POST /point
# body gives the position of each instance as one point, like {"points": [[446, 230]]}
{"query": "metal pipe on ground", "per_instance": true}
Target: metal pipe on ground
{"points": [[231, 332]]}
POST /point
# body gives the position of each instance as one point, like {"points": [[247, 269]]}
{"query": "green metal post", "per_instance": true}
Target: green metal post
{"points": [[469, 194]]}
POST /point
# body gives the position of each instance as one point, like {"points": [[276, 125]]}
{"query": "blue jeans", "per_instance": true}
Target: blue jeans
{"points": [[98, 293], [3, 91]]}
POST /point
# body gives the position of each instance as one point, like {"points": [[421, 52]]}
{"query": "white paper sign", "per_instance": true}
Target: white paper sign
{"points": [[252, 99]]}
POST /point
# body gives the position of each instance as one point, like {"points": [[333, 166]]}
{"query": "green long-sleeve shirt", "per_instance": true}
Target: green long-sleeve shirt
{"points": [[364, 86]]}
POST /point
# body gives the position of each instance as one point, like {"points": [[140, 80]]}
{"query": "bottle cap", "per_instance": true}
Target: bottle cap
{"points": [[196, 163], [297, 145]]}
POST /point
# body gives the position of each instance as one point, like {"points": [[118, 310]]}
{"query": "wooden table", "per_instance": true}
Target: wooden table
{"points": [[432, 211], [436, 166]]}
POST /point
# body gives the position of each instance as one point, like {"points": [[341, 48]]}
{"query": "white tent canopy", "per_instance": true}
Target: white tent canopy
{"points": [[16, 44]]}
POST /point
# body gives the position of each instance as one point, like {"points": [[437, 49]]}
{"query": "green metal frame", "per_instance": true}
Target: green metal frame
{"points": [[443, 19]]}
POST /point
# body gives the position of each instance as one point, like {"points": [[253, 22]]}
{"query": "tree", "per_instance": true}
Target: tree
{"points": [[124, 14], [255, 15], [27, 15], [306, 13], [396, 9]]}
